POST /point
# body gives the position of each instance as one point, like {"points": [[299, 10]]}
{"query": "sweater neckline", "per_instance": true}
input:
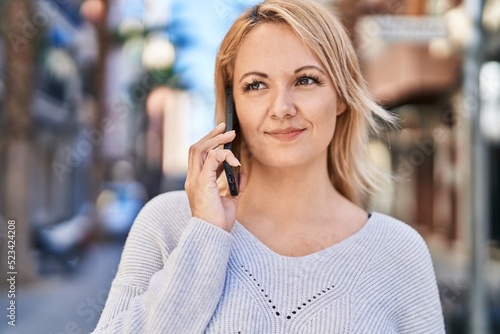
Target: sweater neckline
{"points": [[321, 253]]}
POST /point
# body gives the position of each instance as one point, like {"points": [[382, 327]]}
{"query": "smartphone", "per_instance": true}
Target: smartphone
{"points": [[230, 125]]}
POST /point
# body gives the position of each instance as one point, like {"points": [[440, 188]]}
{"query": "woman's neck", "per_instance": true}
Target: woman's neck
{"points": [[297, 211], [292, 196]]}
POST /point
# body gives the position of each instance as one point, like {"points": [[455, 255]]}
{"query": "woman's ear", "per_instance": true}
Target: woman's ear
{"points": [[341, 107]]}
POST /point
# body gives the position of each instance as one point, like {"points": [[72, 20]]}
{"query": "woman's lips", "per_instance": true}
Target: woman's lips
{"points": [[286, 134]]}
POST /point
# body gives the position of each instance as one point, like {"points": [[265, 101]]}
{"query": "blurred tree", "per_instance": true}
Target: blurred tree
{"points": [[20, 35]]}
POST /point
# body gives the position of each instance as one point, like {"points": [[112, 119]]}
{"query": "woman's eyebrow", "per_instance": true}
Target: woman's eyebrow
{"points": [[264, 75], [260, 74], [308, 67]]}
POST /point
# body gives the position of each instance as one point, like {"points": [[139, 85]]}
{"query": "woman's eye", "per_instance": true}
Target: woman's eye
{"points": [[254, 86], [304, 81]]}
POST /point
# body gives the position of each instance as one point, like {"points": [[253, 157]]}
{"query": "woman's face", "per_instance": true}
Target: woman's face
{"points": [[285, 101]]}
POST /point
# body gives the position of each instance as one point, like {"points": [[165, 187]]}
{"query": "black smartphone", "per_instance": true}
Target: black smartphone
{"points": [[230, 125]]}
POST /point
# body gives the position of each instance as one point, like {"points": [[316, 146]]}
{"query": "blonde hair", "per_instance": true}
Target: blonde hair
{"points": [[350, 168]]}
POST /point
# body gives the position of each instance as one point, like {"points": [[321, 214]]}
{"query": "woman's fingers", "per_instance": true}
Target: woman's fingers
{"points": [[199, 151], [196, 148], [214, 159], [217, 130]]}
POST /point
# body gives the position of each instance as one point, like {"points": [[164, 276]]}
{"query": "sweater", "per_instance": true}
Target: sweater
{"points": [[179, 274]]}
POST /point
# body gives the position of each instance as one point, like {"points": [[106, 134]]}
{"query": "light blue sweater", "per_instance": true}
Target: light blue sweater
{"points": [[180, 274]]}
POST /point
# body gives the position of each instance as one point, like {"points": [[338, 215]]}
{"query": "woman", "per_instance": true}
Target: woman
{"points": [[294, 252]]}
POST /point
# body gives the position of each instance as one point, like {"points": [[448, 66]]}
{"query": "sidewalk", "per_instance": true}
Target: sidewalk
{"points": [[65, 305]]}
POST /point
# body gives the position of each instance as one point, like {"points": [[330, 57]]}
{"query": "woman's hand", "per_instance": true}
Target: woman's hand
{"points": [[205, 166]]}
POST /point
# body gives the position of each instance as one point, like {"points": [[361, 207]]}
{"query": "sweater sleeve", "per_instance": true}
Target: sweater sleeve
{"points": [[165, 284], [419, 307]]}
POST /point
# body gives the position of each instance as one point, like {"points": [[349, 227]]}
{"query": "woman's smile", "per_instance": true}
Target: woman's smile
{"points": [[286, 134]]}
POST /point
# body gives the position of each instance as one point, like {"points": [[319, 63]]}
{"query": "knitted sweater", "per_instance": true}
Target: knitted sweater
{"points": [[182, 275]]}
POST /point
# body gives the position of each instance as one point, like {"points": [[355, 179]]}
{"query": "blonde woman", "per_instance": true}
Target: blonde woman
{"points": [[295, 251]]}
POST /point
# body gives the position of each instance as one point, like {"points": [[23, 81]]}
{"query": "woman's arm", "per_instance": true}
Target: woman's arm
{"points": [[419, 307], [165, 285]]}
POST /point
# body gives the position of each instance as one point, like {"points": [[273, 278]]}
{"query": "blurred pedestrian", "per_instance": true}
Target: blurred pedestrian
{"points": [[295, 251]]}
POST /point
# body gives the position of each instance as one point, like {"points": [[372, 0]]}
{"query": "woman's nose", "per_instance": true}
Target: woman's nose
{"points": [[282, 104]]}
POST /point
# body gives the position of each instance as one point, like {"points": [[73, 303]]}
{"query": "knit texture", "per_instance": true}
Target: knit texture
{"points": [[180, 274]]}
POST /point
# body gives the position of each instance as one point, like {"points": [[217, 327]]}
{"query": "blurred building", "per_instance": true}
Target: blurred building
{"points": [[60, 173], [411, 54]]}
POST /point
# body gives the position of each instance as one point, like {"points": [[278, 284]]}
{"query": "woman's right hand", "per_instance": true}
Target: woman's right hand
{"points": [[204, 167]]}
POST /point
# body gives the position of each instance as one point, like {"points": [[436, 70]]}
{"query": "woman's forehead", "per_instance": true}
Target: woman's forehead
{"points": [[271, 47]]}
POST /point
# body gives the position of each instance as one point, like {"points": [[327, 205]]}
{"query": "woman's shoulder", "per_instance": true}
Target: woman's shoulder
{"points": [[396, 235], [401, 251], [153, 236], [393, 226], [176, 200], [170, 207], [401, 279], [172, 200], [162, 220]]}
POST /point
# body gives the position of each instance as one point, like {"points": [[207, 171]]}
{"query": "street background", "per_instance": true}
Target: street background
{"points": [[101, 99]]}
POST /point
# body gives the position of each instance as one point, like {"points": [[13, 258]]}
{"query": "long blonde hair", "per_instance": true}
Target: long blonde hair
{"points": [[350, 168]]}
